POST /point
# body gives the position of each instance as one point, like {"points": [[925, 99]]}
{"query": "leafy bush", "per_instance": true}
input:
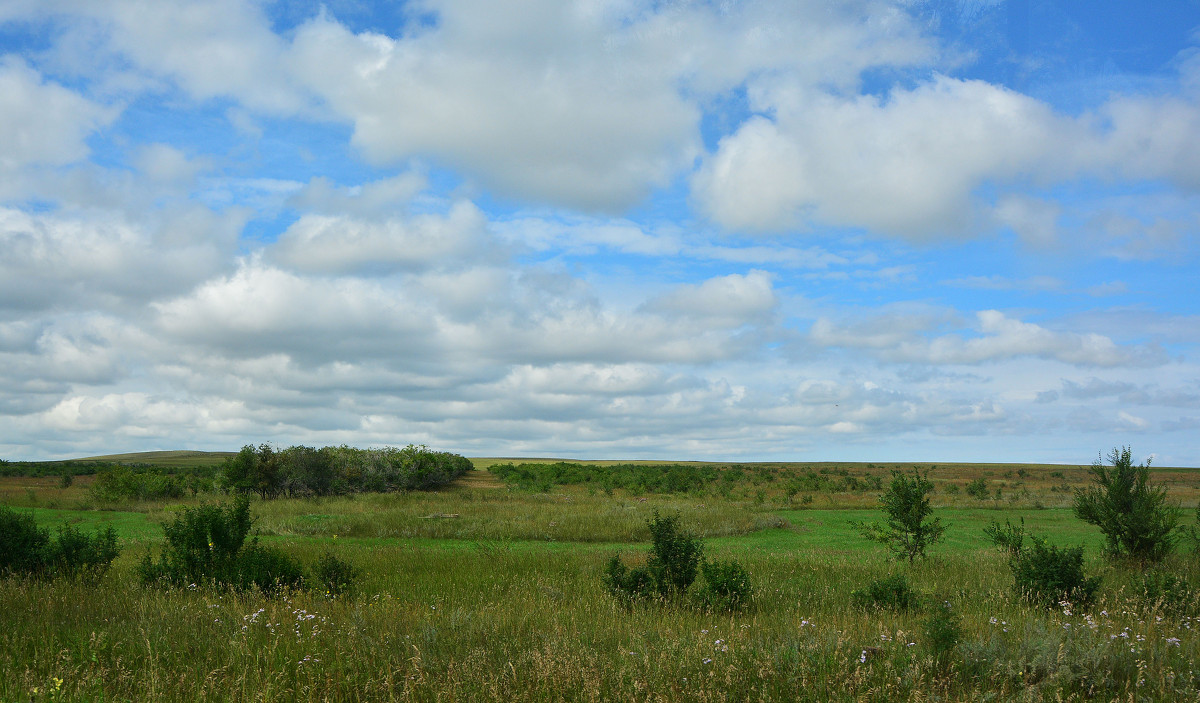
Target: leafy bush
{"points": [[306, 471], [1169, 592], [1134, 516], [674, 556], [908, 531], [27, 549], [207, 544], [1008, 537], [726, 586], [671, 567], [978, 489], [1046, 575], [943, 631], [335, 576], [891, 592], [628, 585]]}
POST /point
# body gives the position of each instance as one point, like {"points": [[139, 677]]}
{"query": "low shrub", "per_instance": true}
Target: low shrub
{"points": [[943, 631], [1046, 575], [335, 576], [891, 592], [671, 567], [628, 585], [207, 545], [27, 549], [978, 489], [1167, 592], [726, 586]]}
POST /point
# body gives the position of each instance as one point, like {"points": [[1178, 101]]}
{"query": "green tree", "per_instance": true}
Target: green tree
{"points": [[909, 530], [1134, 516]]}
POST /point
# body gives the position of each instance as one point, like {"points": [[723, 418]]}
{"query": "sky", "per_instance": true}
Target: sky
{"points": [[738, 231]]}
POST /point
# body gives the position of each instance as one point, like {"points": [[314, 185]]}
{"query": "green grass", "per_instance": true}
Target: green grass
{"points": [[505, 602]]}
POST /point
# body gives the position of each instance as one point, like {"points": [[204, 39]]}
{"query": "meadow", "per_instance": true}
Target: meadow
{"points": [[491, 591]]}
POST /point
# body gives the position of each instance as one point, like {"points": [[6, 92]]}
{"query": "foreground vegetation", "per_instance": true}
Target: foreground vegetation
{"points": [[494, 591]]}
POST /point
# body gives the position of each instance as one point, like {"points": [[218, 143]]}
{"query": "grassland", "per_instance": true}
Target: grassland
{"points": [[479, 592]]}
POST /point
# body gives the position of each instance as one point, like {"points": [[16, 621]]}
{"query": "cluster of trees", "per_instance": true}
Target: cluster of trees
{"points": [[307, 471], [1138, 523], [639, 478]]}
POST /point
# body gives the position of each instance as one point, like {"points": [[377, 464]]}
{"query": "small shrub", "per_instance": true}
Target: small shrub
{"points": [[891, 592], [1134, 516], [1167, 592], [726, 586], [909, 530], [628, 585], [943, 631], [671, 567], [22, 543], [335, 576], [1046, 575], [1008, 537], [674, 556], [268, 569], [27, 549], [207, 544], [978, 489]]}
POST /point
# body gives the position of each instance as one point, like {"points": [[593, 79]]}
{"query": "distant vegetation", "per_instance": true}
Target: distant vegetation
{"points": [[305, 471], [330, 574]]}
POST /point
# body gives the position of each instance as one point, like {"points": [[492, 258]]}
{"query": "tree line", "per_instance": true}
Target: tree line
{"points": [[308, 471]]}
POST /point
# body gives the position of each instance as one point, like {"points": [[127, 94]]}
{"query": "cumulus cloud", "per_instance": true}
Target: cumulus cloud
{"points": [[43, 122], [998, 337], [329, 244], [101, 259]]}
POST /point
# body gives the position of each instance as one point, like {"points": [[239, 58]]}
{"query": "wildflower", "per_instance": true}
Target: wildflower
{"points": [[863, 659], [1173, 641], [707, 660]]}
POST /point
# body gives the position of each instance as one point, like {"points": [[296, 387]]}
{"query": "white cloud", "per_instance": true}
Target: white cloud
{"points": [[328, 244], [95, 260], [908, 164], [999, 338], [43, 122]]}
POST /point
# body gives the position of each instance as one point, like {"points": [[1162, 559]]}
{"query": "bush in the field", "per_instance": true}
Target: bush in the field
{"points": [[943, 631], [1171, 593], [335, 576], [726, 586], [27, 549], [1134, 516], [1047, 575], [207, 544], [891, 593], [671, 568]]}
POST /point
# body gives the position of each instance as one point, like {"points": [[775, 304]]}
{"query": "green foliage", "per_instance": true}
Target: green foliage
{"points": [[66, 478], [909, 531], [671, 567], [890, 592], [978, 489], [726, 586], [207, 544], [628, 585], [943, 631], [334, 576], [120, 482], [674, 556], [306, 471], [1168, 592], [1135, 518], [1008, 537], [1046, 575], [27, 549]]}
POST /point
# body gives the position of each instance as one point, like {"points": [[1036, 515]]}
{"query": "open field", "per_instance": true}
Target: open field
{"points": [[481, 592]]}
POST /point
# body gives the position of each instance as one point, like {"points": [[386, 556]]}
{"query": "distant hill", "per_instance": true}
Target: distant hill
{"points": [[166, 459]]}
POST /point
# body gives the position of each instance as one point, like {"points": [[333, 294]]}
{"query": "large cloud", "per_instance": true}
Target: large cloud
{"points": [[43, 123]]}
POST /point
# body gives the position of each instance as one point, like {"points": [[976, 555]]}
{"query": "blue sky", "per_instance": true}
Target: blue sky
{"points": [[874, 231]]}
